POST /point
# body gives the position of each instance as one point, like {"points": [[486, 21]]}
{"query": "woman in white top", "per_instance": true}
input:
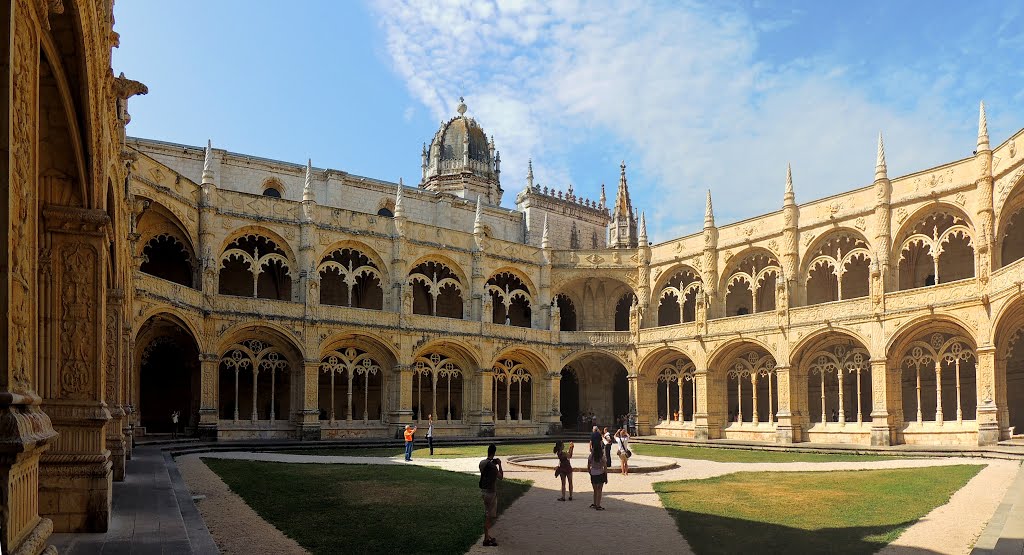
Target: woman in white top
{"points": [[622, 438]]}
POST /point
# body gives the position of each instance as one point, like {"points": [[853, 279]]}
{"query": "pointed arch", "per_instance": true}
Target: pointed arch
{"points": [[837, 267], [511, 300], [759, 269], [935, 245]]}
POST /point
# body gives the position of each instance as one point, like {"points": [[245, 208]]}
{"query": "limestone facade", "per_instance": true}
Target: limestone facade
{"points": [[884, 315]]}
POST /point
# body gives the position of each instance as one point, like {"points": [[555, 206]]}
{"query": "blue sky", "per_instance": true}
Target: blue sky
{"points": [[692, 95]]}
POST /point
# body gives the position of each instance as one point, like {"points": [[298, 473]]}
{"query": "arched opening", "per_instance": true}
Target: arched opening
{"points": [[938, 249], [839, 269], [510, 300], [569, 399], [169, 376], [438, 388], [349, 278], [166, 257], [386, 212], [623, 310], [678, 299], [676, 391], [271, 192], [602, 389], [350, 386], [1013, 239], [254, 266], [272, 187], [255, 381], [567, 313], [1014, 365], [752, 389], [512, 398], [436, 290], [938, 376], [837, 371], [739, 299], [750, 286]]}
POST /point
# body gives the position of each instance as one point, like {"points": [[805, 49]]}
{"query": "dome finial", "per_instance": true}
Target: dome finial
{"points": [[461, 108]]}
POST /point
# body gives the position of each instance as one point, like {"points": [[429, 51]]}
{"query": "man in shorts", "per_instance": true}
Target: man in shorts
{"points": [[490, 473]]}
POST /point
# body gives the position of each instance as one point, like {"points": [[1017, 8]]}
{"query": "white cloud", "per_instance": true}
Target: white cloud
{"points": [[678, 87]]}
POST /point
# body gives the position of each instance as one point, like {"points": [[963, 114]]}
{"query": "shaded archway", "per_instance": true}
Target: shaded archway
{"points": [[437, 290], [836, 370], [569, 399], [677, 300], [169, 378], [596, 301], [938, 248], [750, 282], [166, 257], [838, 268], [566, 313], [348, 277], [602, 386], [937, 362], [255, 266], [257, 370], [511, 301]]}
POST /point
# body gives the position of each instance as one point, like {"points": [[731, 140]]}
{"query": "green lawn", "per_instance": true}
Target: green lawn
{"points": [[366, 509], [439, 452], [853, 512], [747, 456]]}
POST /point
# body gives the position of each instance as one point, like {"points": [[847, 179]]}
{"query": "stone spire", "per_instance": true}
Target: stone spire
{"points": [[399, 209], [478, 222], [623, 225], [529, 174], [307, 188], [604, 199], [880, 169], [790, 197], [709, 213], [208, 164], [642, 237], [982, 129], [545, 241]]}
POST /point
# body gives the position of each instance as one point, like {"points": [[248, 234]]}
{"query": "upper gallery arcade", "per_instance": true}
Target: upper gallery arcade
{"points": [[313, 302]]}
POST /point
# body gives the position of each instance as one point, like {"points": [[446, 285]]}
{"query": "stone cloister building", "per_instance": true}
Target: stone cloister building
{"points": [[265, 299]]}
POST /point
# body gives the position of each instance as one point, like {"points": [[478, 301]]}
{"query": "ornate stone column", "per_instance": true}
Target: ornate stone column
{"points": [[707, 421], [112, 395], [127, 381], [988, 410], [886, 398], [209, 395], [787, 429], [75, 475], [307, 417], [554, 412], [401, 387], [485, 422]]}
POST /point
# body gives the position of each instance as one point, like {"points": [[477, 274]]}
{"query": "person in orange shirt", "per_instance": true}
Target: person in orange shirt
{"points": [[409, 431]]}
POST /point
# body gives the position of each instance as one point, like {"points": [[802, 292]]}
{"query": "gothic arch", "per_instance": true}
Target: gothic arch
{"points": [[452, 265], [258, 230], [937, 360], [659, 355], [677, 295], [463, 352], [667, 386], [834, 368], [733, 348], [255, 264], [437, 289], [353, 378], [379, 347], [591, 351], [757, 270], [933, 231], [535, 360], [1009, 232], [746, 371], [360, 246], [260, 366], [351, 277], [178, 316], [166, 363], [1008, 390], [510, 298], [837, 267]]}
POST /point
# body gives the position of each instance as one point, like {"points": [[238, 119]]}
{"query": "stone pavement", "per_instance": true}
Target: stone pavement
{"points": [[1005, 532], [153, 513]]}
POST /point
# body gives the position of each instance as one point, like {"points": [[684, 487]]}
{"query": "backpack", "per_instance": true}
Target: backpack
{"points": [[488, 476]]}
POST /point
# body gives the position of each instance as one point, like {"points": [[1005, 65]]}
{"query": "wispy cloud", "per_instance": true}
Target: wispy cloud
{"points": [[678, 87]]}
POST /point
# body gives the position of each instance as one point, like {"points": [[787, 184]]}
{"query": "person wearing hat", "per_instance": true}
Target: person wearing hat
{"points": [[409, 431]]}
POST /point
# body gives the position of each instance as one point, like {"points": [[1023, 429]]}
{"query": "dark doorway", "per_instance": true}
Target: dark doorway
{"points": [[169, 380], [569, 399], [620, 392]]}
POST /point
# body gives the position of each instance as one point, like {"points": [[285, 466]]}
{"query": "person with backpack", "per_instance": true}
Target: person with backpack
{"points": [[490, 473], [622, 438]]}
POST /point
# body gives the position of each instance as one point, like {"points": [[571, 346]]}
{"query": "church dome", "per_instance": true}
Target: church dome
{"points": [[461, 146]]}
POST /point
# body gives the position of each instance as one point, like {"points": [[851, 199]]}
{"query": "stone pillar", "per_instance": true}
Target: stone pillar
{"points": [[25, 430], [485, 421], [401, 394], [209, 395], [307, 416], [112, 395], [644, 422], [75, 475], [702, 428], [988, 410], [127, 379], [787, 429], [886, 412], [554, 412]]}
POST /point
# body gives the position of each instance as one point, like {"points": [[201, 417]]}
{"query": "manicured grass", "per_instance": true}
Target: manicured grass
{"points": [[451, 452], [747, 456], [853, 512], [366, 509]]}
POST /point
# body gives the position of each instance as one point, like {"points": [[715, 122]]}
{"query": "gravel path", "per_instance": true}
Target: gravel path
{"points": [[235, 527], [537, 522]]}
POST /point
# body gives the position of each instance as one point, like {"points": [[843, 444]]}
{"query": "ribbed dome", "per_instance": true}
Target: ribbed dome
{"points": [[460, 150], [451, 138]]}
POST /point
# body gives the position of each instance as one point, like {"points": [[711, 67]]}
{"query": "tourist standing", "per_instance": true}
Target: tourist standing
{"points": [[598, 476], [631, 420], [430, 433], [409, 431], [606, 442], [622, 437], [490, 473], [564, 468], [174, 424], [595, 440]]}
